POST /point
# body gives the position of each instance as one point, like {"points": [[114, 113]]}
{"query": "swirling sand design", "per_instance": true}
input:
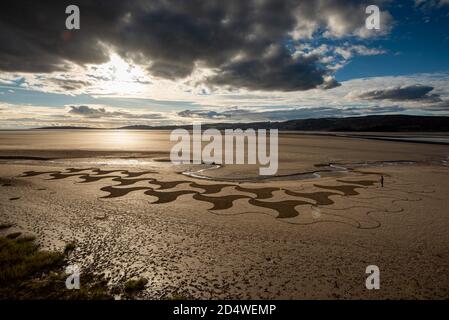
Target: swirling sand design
{"points": [[314, 207]]}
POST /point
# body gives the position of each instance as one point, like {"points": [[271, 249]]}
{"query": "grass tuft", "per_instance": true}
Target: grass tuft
{"points": [[28, 273], [5, 226], [13, 235], [20, 258], [26, 239], [178, 297], [69, 247], [135, 285]]}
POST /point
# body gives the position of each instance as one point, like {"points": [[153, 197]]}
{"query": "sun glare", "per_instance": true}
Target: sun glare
{"points": [[117, 76], [121, 139]]}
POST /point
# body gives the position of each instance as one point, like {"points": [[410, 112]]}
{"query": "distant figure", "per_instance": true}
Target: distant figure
{"points": [[382, 181]]}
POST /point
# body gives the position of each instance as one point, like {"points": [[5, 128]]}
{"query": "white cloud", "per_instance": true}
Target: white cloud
{"points": [[336, 56], [328, 19], [243, 105]]}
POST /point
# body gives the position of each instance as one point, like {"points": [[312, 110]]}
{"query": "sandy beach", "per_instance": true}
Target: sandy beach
{"points": [[213, 232]]}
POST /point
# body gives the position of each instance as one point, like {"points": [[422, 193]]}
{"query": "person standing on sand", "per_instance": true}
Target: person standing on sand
{"points": [[382, 181]]}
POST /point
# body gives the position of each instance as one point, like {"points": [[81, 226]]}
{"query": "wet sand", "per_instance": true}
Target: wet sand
{"points": [[310, 233]]}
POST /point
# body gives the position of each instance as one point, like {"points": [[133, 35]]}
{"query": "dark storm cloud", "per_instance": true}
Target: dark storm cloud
{"points": [[244, 41], [33, 37], [410, 92], [275, 71]]}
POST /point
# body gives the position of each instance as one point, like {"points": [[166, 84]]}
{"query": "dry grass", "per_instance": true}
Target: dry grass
{"points": [[20, 258], [29, 273]]}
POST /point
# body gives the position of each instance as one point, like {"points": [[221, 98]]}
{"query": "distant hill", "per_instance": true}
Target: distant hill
{"points": [[63, 127], [378, 123], [386, 123]]}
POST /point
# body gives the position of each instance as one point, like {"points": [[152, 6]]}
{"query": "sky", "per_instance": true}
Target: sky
{"points": [[162, 62]]}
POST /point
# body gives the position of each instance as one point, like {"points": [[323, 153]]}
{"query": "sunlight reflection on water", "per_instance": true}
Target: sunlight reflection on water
{"points": [[118, 140], [110, 162]]}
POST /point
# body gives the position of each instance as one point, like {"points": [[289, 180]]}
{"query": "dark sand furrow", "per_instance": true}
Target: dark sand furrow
{"points": [[220, 203], [286, 208], [75, 170], [168, 184], [36, 173], [120, 192], [127, 182], [166, 197], [261, 193], [58, 175], [88, 178], [210, 188], [101, 172]]}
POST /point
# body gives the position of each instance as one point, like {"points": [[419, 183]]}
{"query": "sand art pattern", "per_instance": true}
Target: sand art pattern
{"points": [[314, 207]]}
